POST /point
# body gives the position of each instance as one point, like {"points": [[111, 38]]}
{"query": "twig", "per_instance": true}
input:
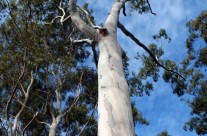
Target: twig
{"points": [[13, 92], [52, 21], [129, 34], [150, 8], [30, 122], [41, 122], [88, 119]]}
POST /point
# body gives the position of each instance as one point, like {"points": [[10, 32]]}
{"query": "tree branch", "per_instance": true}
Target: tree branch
{"points": [[80, 24], [76, 99], [87, 16], [150, 8], [95, 56], [129, 34], [29, 122], [41, 122], [113, 17], [12, 95], [88, 120], [75, 42], [62, 18]]}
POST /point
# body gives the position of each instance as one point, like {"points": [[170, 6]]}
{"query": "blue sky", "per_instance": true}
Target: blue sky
{"points": [[164, 110]]}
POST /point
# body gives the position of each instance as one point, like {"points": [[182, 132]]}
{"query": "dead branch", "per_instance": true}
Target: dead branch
{"points": [[62, 18], [150, 8], [129, 34]]}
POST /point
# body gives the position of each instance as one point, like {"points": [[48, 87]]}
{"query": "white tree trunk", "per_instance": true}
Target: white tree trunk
{"points": [[114, 107], [52, 129]]}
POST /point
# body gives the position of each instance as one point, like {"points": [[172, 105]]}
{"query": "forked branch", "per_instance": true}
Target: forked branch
{"points": [[80, 24], [62, 18], [129, 34]]}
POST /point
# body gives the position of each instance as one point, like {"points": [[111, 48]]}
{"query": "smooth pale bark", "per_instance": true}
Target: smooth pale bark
{"points": [[114, 107], [55, 120], [53, 128], [14, 128]]}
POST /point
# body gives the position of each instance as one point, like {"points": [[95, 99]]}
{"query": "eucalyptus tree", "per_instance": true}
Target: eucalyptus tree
{"points": [[38, 71], [114, 107], [45, 45], [195, 68]]}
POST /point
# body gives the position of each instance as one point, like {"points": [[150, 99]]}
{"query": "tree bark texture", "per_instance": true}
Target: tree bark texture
{"points": [[114, 107]]}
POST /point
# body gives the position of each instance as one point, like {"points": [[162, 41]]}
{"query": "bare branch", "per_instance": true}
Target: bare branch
{"points": [[25, 99], [41, 122], [75, 42], [62, 18], [52, 21], [76, 99], [88, 120], [34, 116], [51, 109], [13, 92], [150, 8], [21, 103], [87, 16], [80, 24], [129, 34]]}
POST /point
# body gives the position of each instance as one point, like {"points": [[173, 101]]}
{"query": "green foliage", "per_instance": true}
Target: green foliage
{"points": [[137, 116], [27, 44], [194, 68], [162, 34], [141, 6], [164, 133]]}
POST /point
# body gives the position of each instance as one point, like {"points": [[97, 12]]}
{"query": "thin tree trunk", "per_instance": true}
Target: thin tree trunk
{"points": [[52, 129]]}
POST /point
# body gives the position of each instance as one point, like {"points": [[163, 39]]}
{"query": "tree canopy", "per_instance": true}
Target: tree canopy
{"points": [[48, 77]]}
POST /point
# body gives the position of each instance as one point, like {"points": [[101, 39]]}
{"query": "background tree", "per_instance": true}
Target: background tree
{"points": [[194, 66], [40, 49]]}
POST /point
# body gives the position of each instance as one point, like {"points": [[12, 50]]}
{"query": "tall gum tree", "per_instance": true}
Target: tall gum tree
{"points": [[114, 107]]}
